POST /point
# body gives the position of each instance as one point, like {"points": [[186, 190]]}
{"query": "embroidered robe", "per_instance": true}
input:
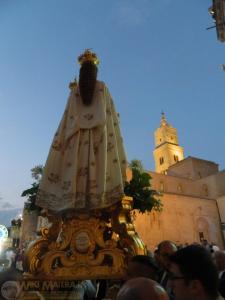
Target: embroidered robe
{"points": [[86, 165]]}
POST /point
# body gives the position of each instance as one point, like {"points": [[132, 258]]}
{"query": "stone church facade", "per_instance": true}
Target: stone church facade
{"points": [[193, 195]]}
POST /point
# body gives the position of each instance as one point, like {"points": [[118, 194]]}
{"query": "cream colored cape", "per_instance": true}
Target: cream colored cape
{"points": [[86, 165]]}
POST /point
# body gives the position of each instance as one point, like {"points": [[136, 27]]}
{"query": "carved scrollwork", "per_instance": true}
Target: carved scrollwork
{"points": [[83, 247]]}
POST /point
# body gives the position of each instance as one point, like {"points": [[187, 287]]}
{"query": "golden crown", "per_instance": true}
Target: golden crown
{"points": [[88, 56]]}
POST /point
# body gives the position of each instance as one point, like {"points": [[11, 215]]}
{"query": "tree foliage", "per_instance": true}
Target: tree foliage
{"points": [[36, 172], [139, 187], [31, 193], [16, 222], [136, 164]]}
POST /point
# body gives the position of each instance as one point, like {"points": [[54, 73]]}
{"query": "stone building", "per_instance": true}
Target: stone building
{"points": [[28, 231], [193, 195]]}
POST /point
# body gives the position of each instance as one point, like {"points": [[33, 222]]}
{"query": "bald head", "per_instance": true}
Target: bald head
{"points": [[165, 249], [141, 289]]}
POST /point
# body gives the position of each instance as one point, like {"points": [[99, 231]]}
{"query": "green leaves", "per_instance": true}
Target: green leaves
{"points": [[136, 164], [31, 193], [140, 189], [37, 172]]}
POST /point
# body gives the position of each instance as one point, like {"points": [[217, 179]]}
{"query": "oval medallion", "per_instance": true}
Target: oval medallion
{"points": [[82, 241]]}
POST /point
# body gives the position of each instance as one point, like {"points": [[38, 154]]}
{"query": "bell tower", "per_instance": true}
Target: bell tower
{"points": [[167, 150]]}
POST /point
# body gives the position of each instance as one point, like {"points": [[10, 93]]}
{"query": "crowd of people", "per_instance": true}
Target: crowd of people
{"points": [[188, 272]]}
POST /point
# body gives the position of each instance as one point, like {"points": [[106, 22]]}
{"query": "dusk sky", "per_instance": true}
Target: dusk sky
{"points": [[154, 55]]}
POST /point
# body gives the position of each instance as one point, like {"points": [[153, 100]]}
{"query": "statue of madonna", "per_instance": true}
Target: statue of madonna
{"points": [[86, 164]]}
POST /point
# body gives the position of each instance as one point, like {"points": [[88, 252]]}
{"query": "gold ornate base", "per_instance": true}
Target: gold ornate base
{"points": [[78, 247]]}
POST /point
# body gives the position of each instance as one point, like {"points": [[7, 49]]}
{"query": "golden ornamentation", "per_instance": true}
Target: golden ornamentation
{"points": [[86, 246], [88, 56], [73, 85], [122, 224]]}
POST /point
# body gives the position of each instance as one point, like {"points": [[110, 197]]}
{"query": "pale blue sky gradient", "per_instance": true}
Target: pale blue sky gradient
{"points": [[155, 55]]}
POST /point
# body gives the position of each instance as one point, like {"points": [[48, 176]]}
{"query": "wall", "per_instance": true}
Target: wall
{"points": [[29, 228], [193, 168], [181, 221]]}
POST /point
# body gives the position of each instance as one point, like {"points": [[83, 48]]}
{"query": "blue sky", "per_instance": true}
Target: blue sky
{"points": [[155, 55]]}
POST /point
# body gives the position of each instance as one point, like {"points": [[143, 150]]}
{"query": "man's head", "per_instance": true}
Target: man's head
{"points": [[141, 289], [165, 249], [219, 257], [141, 266], [204, 242], [193, 274]]}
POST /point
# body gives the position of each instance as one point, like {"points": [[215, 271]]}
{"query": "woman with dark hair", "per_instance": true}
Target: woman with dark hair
{"points": [[86, 165]]}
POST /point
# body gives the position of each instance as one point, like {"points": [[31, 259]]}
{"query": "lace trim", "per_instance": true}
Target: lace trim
{"points": [[79, 200]]}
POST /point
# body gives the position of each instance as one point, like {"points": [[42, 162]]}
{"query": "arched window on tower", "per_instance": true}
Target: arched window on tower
{"points": [[176, 158], [161, 160]]}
